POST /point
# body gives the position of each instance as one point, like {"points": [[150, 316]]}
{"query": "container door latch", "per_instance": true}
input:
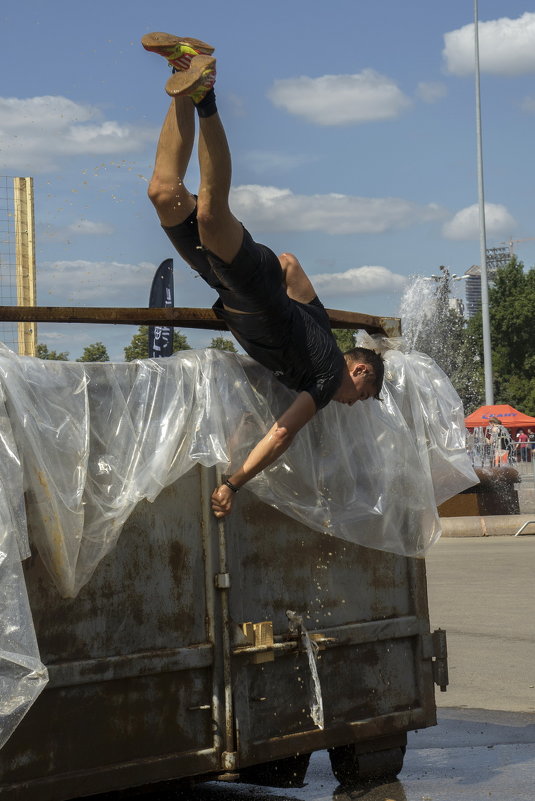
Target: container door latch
{"points": [[435, 648]]}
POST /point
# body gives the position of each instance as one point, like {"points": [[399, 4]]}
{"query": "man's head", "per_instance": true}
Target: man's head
{"points": [[364, 376]]}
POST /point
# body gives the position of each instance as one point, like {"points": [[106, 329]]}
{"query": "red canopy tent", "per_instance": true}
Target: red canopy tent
{"points": [[507, 415]]}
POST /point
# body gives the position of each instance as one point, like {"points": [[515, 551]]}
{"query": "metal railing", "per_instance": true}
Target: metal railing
{"points": [[493, 446], [524, 452]]}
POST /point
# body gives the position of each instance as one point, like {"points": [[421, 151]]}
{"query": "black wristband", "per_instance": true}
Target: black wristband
{"points": [[230, 486]]}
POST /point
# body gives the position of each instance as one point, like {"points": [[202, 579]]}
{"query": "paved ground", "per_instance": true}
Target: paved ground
{"points": [[472, 755], [466, 759], [482, 591]]}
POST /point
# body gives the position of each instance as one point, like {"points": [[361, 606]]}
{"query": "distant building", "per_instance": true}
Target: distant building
{"points": [[472, 290], [496, 258]]}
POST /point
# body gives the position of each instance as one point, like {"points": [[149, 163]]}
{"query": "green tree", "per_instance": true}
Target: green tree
{"points": [[511, 312], [139, 346], [220, 343], [42, 352], [94, 353], [467, 375], [345, 338], [457, 345]]}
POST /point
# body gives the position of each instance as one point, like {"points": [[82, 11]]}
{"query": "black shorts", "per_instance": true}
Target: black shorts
{"points": [[266, 322], [252, 282]]}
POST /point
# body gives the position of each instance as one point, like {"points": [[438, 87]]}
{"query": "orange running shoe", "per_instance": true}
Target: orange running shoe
{"points": [[178, 50]]}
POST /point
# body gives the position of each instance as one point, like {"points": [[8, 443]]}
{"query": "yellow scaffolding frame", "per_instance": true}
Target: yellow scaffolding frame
{"points": [[25, 260]]}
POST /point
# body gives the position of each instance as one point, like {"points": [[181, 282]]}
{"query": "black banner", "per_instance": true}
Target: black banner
{"points": [[161, 296]]}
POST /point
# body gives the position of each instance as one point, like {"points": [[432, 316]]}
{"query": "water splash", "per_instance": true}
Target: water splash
{"points": [[418, 306], [491, 446], [316, 701]]}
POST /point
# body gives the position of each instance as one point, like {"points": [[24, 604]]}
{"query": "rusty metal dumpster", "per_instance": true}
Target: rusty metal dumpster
{"points": [[160, 670], [199, 649]]}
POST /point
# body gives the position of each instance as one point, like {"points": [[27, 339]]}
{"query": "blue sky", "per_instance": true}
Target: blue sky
{"points": [[352, 127]]}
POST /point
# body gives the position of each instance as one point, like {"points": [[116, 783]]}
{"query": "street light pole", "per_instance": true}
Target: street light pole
{"points": [[487, 350]]}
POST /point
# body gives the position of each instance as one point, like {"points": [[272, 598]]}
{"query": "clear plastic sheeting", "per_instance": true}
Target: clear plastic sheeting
{"points": [[433, 412], [84, 443], [22, 675], [95, 439], [11, 482]]}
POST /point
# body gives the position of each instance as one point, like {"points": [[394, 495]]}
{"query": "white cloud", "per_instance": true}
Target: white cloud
{"points": [[506, 47], [431, 92], [465, 224], [97, 282], [268, 208], [357, 281], [37, 133], [46, 113], [90, 227], [340, 99]]}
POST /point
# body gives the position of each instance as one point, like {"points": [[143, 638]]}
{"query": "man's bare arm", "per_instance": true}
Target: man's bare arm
{"points": [[270, 447]]}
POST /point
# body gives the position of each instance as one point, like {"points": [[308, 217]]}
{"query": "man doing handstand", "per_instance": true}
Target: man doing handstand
{"points": [[268, 303]]}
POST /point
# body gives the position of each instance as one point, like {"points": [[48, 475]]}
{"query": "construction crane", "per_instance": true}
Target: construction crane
{"points": [[511, 243]]}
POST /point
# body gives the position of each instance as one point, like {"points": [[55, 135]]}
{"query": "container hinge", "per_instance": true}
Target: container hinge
{"points": [[435, 648], [229, 760], [222, 581]]}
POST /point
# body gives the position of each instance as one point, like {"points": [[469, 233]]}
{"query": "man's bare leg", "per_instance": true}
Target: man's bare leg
{"points": [[296, 281], [171, 199], [219, 230]]}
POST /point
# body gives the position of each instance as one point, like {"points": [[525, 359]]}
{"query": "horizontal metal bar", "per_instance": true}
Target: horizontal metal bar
{"points": [[390, 326], [350, 634], [372, 631], [340, 733], [290, 645], [120, 776], [144, 663], [183, 317]]}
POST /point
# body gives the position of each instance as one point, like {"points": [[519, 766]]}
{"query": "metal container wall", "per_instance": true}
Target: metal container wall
{"points": [[371, 606], [149, 680]]}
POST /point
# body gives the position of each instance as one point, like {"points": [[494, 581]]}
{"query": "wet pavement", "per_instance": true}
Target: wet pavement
{"points": [[472, 755], [482, 591]]}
